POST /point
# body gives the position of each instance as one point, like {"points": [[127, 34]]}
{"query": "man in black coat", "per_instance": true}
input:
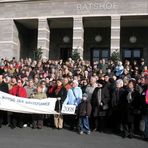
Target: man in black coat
{"points": [[118, 94], [3, 88], [99, 102], [130, 108]]}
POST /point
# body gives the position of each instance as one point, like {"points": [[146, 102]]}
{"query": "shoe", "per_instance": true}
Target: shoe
{"points": [[81, 132], [88, 133], [60, 128], [130, 136], [124, 135], [145, 138], [40, 127], [94, 130], [34, 127], [12, 126], [25, 125]]}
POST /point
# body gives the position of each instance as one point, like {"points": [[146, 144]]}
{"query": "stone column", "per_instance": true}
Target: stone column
{"points": [[78, 35], [115, 33], [43, 36], [9, 40]]}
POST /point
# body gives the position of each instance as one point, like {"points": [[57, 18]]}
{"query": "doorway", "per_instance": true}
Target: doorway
{"points": [[65, 53]]}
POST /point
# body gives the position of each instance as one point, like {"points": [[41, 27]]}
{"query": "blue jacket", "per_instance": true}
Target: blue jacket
{"points": [[74, 96]]}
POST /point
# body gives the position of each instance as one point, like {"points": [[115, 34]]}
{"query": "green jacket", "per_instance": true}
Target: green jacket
{"points": [[40, 96]]}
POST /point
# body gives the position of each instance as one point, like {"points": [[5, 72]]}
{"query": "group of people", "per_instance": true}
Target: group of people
{"points": [[107, 95]]}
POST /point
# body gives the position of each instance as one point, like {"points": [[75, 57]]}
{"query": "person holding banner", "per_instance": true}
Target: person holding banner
{"points": [[20, 91], [74, 96], [37, 119], [3, 88], [60, 92]]}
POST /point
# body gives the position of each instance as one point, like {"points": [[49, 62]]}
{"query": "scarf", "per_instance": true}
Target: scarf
{"points": [[58, 89], [99, 97], [129, 97]]}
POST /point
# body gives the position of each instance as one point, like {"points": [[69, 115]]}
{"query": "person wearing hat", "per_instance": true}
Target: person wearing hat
{"points": [[84, 111], [99, 102]]}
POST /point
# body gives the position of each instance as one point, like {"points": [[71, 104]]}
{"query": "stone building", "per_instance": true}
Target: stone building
{"points": [[96, 28]]}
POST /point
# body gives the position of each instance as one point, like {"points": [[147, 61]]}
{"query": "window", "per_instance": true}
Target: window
{"points": [[127, 53], [98, 54], [136, 54], [105, 54], [95, 55], [131, 54]]}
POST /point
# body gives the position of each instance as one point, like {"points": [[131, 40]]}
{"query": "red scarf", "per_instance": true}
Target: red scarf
{"points": [[58, 89]]}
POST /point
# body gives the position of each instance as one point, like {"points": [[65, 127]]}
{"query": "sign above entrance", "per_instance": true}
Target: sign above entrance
{"points": [[102, 5]]}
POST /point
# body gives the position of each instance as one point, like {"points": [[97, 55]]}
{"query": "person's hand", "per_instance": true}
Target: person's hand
{"points": [[59, 99]]}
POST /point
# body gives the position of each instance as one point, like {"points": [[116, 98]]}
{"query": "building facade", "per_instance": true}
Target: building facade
{"points": [[95, 28]]}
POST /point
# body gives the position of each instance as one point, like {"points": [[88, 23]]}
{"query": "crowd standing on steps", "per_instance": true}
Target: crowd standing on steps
{"points": [[109, 96]]}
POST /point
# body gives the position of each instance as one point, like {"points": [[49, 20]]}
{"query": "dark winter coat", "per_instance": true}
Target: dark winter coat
{"points": [[4, 87], [117, 96], [84, 108], [132, 108], [61, 94], [97, 109], [142, 98]]}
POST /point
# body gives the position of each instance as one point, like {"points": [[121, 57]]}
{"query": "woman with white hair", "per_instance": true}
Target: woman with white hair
{"points": [[74, 96], [116, 97]]}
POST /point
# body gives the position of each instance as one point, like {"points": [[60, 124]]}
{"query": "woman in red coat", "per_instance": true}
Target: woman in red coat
{"points": [[20, 91]]}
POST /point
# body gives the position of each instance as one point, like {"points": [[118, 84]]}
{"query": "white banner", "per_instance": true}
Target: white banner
{"points": [[68, 109], [25, 105]]}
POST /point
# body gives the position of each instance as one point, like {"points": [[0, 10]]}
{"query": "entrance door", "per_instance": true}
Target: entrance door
{"points": [[65, 53]]}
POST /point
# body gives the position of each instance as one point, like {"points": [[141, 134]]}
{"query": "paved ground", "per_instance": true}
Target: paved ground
{"points": [[52, 138]]}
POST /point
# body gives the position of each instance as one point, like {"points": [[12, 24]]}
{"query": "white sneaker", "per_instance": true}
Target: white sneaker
{"points": [[25, 125], [81, 132], [88, 133]]}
